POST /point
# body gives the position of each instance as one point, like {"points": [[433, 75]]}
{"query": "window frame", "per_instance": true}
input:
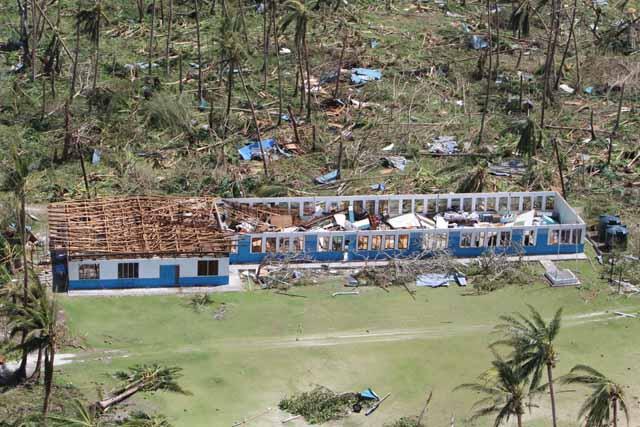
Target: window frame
{"points": [[95, 267], [128, 270], [362, 243], [402, 242], [207, 263], [253, 246]]}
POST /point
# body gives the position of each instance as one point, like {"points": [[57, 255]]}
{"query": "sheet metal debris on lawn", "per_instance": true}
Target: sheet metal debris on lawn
{"points": [[437, 280]]}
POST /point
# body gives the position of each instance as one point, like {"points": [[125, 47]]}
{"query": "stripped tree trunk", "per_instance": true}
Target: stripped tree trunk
{"points": [[128, 392], [255, 121], [168, 45], [49, 357], [153, 24], [277, 48], [552, 394], [197, 6]]}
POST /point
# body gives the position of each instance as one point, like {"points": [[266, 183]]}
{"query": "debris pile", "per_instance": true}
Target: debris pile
{"points": [[321, 404], [341, 217]]}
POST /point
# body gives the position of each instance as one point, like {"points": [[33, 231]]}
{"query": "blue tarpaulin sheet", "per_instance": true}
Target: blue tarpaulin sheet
{"points": [[327, 178], [252, 151], [363, 75], [369, 394]]}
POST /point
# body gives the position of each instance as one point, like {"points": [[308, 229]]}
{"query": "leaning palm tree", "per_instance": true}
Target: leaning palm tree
{"points": [[506, 392], [532, 341], [601, 407], [38, 323]]}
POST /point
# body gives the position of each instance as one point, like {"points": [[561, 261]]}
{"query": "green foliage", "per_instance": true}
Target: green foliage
{"points": [[531, 340], [142, 419], [199, 302], [405, 422], [319, 405], [83, 417], [168, 112], [505, 389], [597, 409], [153, 377]]}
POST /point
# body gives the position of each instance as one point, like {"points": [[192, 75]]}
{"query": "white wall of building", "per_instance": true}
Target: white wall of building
{"points": [[149, 268]]}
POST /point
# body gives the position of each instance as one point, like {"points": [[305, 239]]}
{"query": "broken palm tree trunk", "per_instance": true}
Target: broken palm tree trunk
{"points": [[485, 107], [167, 48], [559, 162], [566, 48], [615, 126], [151, 35], [143, 378], [255, 121]]}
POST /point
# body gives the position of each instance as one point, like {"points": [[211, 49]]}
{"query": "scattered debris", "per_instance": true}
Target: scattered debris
{"points": [[377, 405], [327, 178], [566, 88], [444, 145], [508, 168], [269, 146], [361, 76], [621, 314], [433, 280], [321, 404], [397, 162], [345, 293], [478, 42]]}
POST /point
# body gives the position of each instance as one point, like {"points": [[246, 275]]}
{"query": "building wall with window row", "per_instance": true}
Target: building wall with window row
{"points": [[151, 272]]}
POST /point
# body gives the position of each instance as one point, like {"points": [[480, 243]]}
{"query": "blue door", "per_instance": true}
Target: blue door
{"points": [[169, 275]]}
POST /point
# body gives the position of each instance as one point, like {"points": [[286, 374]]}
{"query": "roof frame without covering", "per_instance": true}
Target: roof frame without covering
{"points": [[138, 226]]}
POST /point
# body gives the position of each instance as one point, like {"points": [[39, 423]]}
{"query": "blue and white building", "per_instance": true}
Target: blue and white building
{"points": [[178, 242]]}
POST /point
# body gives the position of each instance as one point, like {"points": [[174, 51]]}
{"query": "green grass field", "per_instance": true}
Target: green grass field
{"points": [[270, 345]]}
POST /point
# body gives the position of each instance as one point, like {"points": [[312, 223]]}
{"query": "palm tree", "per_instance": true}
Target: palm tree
{"points": [[532, 340], [142, 419], [199, 46], [89, 21], [234, 54], [601, 407], [84, 417], [168, 45], [300, 14], [143, 378], [16, 180], [505, 390], [37, 321]]}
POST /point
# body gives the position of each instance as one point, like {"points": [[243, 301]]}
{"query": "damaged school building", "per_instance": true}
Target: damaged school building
{"points": [[135, 242]]}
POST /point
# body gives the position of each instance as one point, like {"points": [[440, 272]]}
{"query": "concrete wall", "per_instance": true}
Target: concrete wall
{"points": [[350, 252], [152, 272]]}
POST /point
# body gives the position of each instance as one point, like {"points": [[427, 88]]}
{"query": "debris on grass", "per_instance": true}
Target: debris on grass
{"points": [[444, 145], [327, 178], [360, 76], [321, 405], [397, 162], [405, 422]]}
